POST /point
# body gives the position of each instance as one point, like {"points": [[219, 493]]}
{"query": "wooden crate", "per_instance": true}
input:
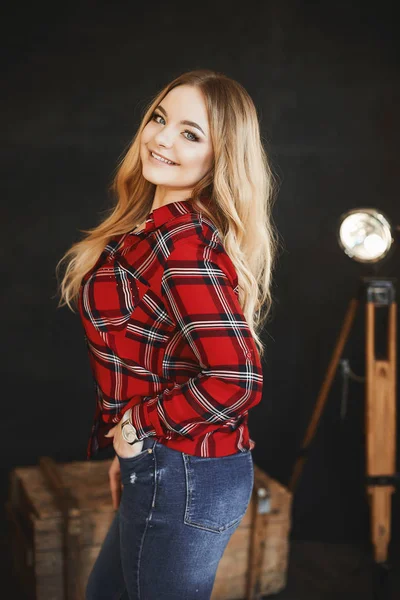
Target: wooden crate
{"points": [[59, 514]]}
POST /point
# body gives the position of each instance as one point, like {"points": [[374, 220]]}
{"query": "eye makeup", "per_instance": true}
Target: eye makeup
{"points": [[154, 117]]}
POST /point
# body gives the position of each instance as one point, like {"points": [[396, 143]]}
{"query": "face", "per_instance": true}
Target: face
{"points": [[187, 145]]}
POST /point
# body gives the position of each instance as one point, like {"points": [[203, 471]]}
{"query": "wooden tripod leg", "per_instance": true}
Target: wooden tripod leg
{"points": [[324, 391], [380, 423]]}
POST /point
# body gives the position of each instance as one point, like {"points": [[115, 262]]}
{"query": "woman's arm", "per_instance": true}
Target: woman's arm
{"points": [[198, 289]]}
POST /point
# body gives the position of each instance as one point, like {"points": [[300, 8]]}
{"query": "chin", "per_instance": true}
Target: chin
{"points": [[153, 177]]}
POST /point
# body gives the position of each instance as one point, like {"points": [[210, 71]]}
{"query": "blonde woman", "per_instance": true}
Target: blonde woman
{"points": [[173, 287]]}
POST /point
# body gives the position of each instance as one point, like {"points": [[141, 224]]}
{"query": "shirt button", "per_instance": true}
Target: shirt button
{"points": [[248, 354]]}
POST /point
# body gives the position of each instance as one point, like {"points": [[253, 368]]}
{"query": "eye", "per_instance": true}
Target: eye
{"points": [[156, 115], [190, 133]]}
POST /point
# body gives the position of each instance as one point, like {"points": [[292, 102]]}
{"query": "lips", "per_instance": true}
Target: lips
{"points": [[150, 152]]}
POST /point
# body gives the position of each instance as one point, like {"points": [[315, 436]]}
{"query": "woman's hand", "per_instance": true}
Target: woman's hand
{"points": [[121, 446], [123, 449], [114, 475]]}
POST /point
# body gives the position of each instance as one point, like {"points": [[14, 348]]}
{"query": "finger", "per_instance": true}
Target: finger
{"points": [[115, 500], [114, 476], [118, 496], [114, 487]]}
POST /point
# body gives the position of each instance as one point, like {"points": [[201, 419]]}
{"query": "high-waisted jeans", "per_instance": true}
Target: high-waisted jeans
{"points": [[176, 516]]}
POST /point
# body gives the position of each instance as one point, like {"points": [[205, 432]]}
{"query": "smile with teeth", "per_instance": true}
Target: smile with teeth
{"points": [[168, 162]]}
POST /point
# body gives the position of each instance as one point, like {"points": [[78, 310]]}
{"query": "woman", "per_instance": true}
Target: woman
{"points": [[172, 288]]}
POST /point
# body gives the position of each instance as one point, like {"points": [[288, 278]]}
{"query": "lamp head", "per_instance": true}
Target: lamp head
{"points": [[365, 235]]}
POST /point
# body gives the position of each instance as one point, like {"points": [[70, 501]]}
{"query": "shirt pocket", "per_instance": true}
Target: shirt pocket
{"points": [[150, 323], [111, 294]]}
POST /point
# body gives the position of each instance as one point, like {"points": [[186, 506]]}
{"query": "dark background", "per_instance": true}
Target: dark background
{"points": [[325, 80]]}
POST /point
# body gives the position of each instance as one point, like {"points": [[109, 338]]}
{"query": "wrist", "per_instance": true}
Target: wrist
{"points": [[128, 430], [127, 416]]}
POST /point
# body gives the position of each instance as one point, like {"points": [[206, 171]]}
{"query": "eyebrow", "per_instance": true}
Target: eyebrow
{"points": [[191, 123]]}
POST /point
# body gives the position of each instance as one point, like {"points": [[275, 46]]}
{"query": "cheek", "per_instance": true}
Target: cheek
{"points": [[145, 137], [193, 157], [209, 160], [201, 162]]}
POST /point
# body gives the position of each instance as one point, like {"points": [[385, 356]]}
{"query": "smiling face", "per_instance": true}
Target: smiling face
{"points": [[179, 132]]}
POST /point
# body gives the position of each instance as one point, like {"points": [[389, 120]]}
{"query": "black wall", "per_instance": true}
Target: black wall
{"points": [[324, 77]]}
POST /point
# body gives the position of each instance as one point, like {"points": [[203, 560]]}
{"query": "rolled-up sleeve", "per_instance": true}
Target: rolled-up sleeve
{"points": [[200, 293]]}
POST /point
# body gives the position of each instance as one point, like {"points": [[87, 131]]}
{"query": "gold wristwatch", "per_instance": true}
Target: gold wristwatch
{"points": [[128, 431]]}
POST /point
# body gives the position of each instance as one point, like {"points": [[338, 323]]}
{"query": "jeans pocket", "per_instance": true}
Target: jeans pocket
{"points": [[135, 466], [218, 490], [133, 459]]}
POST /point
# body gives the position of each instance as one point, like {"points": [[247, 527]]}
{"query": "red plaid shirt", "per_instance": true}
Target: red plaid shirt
{"points": [[167, 337]]}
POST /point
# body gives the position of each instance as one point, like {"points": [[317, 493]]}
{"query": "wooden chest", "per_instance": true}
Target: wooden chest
{"points": [[59, 514]]}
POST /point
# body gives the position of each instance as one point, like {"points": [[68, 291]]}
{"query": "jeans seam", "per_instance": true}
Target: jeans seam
{"points": [[148, 519], [188, 490]]}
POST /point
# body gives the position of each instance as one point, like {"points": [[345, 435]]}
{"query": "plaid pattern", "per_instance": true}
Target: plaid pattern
{"points": [[166, 337]]}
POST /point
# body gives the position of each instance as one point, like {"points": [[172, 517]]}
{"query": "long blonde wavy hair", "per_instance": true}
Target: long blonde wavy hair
{"points": [[240, 186]]}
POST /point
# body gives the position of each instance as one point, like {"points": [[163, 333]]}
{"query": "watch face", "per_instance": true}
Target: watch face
{"points": [[128, 433]]}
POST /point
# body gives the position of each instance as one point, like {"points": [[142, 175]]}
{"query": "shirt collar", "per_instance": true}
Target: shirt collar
{"points": [[155, 219], [165, 213]]}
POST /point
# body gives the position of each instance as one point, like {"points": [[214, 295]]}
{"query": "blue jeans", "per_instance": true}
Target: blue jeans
{"points": [[175, 518]]}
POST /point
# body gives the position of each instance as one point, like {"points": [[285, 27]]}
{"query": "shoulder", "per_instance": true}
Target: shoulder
{"points": [[193, 229], [197, 242]]}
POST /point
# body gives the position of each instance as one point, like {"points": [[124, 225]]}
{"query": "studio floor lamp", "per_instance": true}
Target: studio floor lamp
{"points": [[365, 235]]}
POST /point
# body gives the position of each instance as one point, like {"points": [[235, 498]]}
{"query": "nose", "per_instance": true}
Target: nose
{"points": [[163, 138]]}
